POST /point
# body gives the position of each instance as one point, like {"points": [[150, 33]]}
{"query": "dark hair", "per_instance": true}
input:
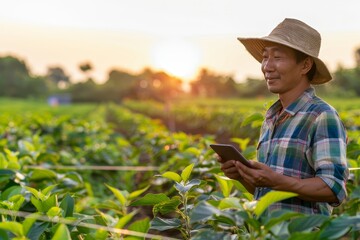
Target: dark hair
{"points": [[300, 56]]}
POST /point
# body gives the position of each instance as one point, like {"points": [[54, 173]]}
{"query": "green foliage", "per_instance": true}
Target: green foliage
{"points": [[61, 233], [188, 198], [17, 81], [270, 198]]}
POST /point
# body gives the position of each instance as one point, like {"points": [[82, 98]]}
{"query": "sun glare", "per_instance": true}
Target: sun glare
{"points": [[176, 57]]}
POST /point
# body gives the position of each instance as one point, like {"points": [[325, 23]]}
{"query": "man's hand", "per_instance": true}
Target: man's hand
{"points": [[259, 175], [231, 171]]}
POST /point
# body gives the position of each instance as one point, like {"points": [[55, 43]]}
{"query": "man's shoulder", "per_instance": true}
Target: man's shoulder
{"points": [[318, 105]]}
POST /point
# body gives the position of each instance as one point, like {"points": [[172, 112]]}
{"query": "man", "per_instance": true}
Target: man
{"points": [[302, 144]]}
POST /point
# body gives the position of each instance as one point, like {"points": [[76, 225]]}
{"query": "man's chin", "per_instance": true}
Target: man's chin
{"points": [[273, 89]]}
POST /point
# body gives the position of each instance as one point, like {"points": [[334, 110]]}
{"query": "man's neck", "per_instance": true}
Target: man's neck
{"points": [[289, 97]]}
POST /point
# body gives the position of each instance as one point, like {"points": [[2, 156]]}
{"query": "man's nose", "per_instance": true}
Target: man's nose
{"points": [[267, 65]]}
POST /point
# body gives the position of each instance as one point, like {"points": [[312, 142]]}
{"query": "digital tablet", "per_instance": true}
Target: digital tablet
{"points": [[229, 152]]}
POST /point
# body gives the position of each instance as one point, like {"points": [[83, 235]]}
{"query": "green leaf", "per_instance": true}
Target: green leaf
{"points": [[29, 221], [37, 204], [141, 226], [14, 227], [100, 235], [6, 175], [3, 235], [125, 219], [210, 234], [48, 157], [37, 229], [54, 212], [44, 206], [42, 174], [255, 117], [202, 212], [306, 223], [225, 218], [118, 194], [279, 216], [17, 201], [270, 198], [109, 204], [12, 158], [172, 176], [165, 224], [187, 187], [25, 146], [150, 199], [304, 235], [355, 193], [231, 202], [49, 203], [11, 191], [48, 189], [62, 233], [185, 174], [68, 204], [339, 226], [249, 219], [193, 150], [243, 142], [137, 193], [225, 185], [3, 162], [166, 207], [37, 194]]}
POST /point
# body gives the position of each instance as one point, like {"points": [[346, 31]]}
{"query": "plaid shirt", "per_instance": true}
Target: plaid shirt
{"points": [[307, 140]]}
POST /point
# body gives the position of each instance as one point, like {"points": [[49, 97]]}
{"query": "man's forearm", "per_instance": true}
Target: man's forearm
{"points": [[310, 189]]}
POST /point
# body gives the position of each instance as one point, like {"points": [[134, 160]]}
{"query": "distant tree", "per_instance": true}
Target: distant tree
{"points": [[347, 80], [357, 57], [86, 68], [119, 85], [87, 91], [208, 84], [16, 80], [57, 76], [157, 85]]}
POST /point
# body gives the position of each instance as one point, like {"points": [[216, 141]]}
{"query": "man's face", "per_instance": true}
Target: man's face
{"points": [[281, 71]]}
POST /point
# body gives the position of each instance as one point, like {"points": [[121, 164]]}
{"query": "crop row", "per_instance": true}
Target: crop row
{"points": [[183, 194], [227, 118]]}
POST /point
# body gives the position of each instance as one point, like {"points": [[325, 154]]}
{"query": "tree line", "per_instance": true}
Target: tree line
{"points": [[16, 80]]}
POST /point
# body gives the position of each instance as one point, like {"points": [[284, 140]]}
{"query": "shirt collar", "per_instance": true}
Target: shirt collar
{"points": [[294, 107]]}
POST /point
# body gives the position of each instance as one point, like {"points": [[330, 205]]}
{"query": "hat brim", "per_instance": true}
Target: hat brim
{"points": [[255, 47]]}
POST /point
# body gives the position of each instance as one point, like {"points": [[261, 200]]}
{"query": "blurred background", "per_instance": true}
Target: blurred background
{"points": [[110, 50]]}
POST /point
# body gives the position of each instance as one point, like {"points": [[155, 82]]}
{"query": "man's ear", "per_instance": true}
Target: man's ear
{"points": [[307, 64]]}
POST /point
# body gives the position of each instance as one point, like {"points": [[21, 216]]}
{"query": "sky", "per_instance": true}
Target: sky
{"points": [[177, 36]]}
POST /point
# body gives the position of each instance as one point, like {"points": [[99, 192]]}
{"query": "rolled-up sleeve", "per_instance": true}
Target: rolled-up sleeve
{"points": [[328, 141]]}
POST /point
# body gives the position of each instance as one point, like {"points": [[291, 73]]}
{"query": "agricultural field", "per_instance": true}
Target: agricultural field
{"points": [[144, 170]]}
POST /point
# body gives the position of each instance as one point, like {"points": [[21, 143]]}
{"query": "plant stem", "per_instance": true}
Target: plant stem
{"points": [[186, 217]]}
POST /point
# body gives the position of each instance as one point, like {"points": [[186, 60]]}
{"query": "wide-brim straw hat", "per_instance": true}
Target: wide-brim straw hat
{"points": [[294, 34]]}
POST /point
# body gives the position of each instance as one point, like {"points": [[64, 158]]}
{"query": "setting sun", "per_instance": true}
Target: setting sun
{"points": [[176, 57]]}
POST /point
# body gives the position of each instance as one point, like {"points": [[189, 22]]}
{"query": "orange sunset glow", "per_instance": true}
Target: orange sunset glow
{"points": [[176, 57], [178, 37]]}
